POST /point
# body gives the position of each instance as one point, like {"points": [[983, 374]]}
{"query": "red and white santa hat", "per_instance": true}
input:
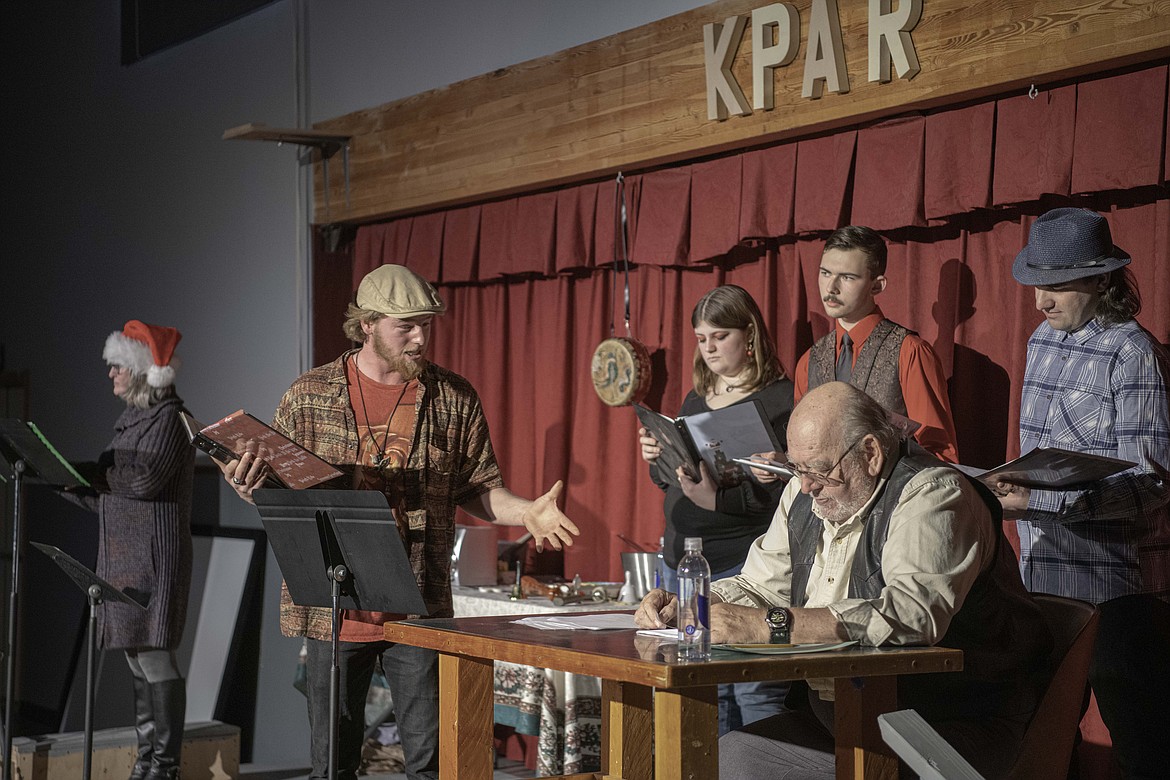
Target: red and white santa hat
{"points": [[145, 349]]}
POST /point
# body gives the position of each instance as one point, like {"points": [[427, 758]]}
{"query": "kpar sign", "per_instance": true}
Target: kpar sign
{"points": [[776, 41]]}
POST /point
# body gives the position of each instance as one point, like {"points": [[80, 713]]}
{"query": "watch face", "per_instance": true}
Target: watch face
{"points": [[779, 617]]}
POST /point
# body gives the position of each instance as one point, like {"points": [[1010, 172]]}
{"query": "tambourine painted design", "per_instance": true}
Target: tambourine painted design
{"points": [[621, 371]]}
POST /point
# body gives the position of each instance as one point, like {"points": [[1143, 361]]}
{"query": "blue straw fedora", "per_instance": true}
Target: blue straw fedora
{"points": [[1067, 244]]}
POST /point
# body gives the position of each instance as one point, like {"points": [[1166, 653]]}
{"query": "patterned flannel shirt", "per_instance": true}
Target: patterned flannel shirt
{"points": [[451, 462], [1100, 390]]}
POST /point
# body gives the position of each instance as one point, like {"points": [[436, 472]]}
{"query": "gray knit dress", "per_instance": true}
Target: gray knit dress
{"points": [[144, 544]]}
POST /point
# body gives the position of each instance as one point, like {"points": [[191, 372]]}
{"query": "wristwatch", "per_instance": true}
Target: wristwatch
{"points": [[779, 620]]}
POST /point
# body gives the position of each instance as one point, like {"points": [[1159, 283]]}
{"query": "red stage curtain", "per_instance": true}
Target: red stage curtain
{"points": [[532, 285]]}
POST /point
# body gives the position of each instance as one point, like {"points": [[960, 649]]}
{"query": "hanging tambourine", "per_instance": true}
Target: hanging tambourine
{"points": [[621, 366]]}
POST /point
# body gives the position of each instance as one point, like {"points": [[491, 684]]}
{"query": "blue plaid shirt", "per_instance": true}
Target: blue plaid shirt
{"points": [[1100, 390]]}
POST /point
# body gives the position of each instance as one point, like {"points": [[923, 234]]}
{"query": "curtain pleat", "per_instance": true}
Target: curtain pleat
{"points": [[661, 233], [823, 168], [887, 181], [535, 239], [424, 252], [497, 229], [1034, 145], [716, 187], [958, 160], [460, 245], [576, 237], [1120, 138], [769, 191]]}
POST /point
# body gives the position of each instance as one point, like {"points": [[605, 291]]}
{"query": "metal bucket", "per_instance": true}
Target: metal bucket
{"points": [[641, 566]]}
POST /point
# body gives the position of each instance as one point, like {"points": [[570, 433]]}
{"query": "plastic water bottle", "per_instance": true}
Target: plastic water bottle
{"points": [[694, 595], [658, 564]]}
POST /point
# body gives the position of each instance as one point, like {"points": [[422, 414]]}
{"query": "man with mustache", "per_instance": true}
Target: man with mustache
{"points": [[415, 431], [875, 544], [889, 362]]}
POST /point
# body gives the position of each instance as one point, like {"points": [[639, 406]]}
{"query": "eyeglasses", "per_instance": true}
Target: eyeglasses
{"points": [[823, 479]]}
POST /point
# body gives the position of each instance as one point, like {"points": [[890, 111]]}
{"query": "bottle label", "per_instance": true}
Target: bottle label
{"points": [[703, 617]]}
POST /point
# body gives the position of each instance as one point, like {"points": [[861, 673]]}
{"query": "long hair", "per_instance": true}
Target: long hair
{"points": [[141, 395], [1121, 300], [861, 237], [731, 306], [354, 317]]}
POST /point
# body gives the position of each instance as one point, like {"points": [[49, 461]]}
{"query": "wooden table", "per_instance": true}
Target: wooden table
{"points": [[659, 715]]}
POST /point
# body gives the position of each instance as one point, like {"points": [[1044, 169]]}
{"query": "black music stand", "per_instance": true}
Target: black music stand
{"points": [[97, 591], [339, 549], [28, 453]]}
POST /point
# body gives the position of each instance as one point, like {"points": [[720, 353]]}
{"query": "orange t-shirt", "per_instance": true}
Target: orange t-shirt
{"points": [[386, 419]]}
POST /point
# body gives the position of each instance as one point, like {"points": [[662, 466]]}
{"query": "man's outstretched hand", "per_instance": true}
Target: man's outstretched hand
{"points": [[547, 523]]}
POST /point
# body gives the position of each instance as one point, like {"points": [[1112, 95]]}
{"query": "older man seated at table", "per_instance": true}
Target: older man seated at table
{"points": [[873, 544]]}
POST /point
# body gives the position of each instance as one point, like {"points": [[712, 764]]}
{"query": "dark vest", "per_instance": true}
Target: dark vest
{"points": [[999, 628], [875, 369]]}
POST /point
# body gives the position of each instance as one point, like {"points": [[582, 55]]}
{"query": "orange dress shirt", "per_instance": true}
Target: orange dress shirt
{"points": [[924, 387]]}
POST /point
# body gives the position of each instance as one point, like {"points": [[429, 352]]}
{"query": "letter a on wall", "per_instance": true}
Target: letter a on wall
{"points": [[824, 65]]}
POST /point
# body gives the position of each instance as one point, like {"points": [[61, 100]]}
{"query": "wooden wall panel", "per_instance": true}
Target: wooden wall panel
{"points": [[638, 99]]}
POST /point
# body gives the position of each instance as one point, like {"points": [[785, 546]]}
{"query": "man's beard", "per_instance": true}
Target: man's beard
{"points": [[861, 486], [406, 368]]}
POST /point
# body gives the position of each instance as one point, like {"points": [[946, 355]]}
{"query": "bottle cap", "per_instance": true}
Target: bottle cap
{"points": [[693, 544]]}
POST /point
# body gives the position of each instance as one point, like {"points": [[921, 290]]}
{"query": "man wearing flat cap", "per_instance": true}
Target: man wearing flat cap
{"points": [[1096, 382], [415, 431]]}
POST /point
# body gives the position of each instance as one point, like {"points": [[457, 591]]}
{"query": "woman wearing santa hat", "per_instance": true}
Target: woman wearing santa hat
{"points": [[144, 509]]}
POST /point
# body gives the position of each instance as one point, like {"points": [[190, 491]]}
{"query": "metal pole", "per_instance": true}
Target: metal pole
{"points": [[336, 575], [13, 602], [95, 597]]}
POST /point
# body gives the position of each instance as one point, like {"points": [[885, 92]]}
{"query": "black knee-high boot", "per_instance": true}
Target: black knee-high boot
{"points": [[169, 698], [143, 727]]}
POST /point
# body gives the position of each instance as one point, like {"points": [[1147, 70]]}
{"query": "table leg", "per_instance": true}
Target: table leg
{"points": [[627, 730], [688, 718], [465, 718], [861, 751]]}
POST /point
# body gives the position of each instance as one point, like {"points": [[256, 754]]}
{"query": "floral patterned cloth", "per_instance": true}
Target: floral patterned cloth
{"points": [[562, 710]]}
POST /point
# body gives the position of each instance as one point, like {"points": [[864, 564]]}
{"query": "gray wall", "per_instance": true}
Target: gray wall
{"points": [[122, 202]]}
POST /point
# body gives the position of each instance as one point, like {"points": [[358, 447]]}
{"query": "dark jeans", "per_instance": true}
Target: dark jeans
{"points": [[1130, 674], [413, 676]]}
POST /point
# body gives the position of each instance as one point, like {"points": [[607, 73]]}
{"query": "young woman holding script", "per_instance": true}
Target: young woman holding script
{"points": [[735, 362], [143, 501]]}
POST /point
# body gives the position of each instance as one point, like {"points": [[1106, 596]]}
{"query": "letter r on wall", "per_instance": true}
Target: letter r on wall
{"points": [[889, 39]]}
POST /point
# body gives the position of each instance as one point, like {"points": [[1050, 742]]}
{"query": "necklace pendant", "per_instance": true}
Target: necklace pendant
{"points": [[379, 460]]}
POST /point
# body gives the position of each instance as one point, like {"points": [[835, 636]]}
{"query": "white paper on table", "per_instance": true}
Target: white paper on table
{"points": [[660, 633], [608, 620]]}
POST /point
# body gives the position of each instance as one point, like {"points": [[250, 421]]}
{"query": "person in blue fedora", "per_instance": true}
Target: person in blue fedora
{"points": [[1096, 382]]}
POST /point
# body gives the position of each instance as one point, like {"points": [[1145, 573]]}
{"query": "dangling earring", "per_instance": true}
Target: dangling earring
{"points": [[749, 352]]}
